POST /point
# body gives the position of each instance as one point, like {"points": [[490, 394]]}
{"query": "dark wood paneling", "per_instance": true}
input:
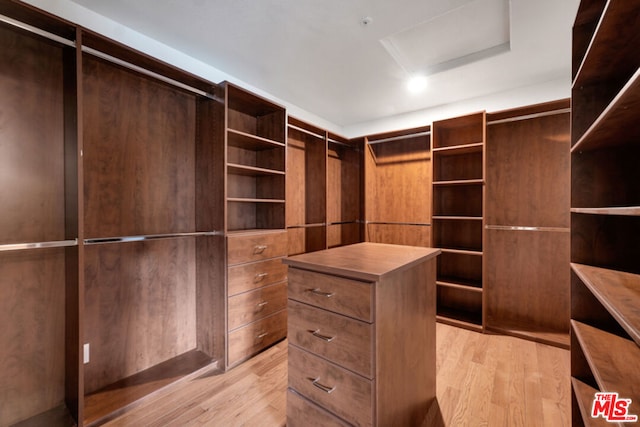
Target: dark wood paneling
{"points": [[307, 239], [458, 200], [343, 234], [527, 280], [528, 172], [140, 306], [458, 234], [32, 349], [458, 167], [139, 154], [32, 135], [344, 184]]}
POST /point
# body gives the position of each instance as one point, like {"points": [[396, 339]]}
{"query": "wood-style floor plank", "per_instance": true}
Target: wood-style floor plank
{"points": [[483, 380]]}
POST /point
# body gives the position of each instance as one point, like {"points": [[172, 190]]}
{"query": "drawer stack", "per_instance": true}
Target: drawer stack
{"points": [[361, 336], [257, 292], [331, 338]]}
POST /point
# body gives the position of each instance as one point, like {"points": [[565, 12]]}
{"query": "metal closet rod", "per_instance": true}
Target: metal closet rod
{"points": [[38, 245], [397, 138], [308, 132], [149, 73], [141, 238], [37, 31], [526, 228], [530, 116], [421, 224]]}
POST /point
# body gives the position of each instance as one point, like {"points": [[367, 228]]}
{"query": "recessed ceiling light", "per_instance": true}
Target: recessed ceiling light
{"points": [[417, 84]]}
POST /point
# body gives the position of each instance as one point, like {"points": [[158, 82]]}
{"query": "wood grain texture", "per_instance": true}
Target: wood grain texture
{"points": [[351, 340], [528, 172], [344, 184], [458, 200], [32, 135], [458, 234], [249, 276], [254, 337], [247, 247], [302, 412], [398, 181], [307, 239], [343, 234], [32, 338], [351, 396], [405, 339], [399, 234], [254, 305], [527, 280], [140, 306], [139, 154], [352, 298], [481, 379]]}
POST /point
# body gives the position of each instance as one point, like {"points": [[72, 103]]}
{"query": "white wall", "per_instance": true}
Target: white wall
{"points": [[80, 15]]}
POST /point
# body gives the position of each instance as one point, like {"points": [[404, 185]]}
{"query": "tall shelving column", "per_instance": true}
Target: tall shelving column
{"points": [[605, 200], [255, 141], [307, 187], [458, 218]]}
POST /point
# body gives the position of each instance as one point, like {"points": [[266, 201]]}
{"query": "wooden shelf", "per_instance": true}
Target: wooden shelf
{"points": [[247, 141], [462, 319], [584, 395], [618, 123], [459, 182], [617, 291], [459, 149], [613, 360], [236, 169], [109, 402], [56, 417], [616, 32], [623, 211]]}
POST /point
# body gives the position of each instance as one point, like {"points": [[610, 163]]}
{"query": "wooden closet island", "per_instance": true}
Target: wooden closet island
{"points": [[361, 328]]}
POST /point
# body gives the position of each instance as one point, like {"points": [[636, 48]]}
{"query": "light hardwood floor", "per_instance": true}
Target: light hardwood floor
{"points": [[483, 380]]}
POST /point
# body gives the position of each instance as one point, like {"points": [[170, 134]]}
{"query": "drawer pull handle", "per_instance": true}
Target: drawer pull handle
{"points": [[262, 304], [316, 382], [258, 249], [317, 291], [317, 334], [258, 277], [262, 335]]}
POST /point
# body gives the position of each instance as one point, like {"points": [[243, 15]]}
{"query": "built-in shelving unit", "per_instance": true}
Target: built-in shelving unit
{"points": [[605, 196], [255, 153], [527, 239], [323, 189], [398, 187], [458, 218]]}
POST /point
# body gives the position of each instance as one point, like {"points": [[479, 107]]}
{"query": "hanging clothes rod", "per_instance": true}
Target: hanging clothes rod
{"points": [[38, 245], [308, 132], [398, 138], [526, 228], [145, 237], [529, 116], [333, 141], [37, 31], [149, 73], [397, 223]]}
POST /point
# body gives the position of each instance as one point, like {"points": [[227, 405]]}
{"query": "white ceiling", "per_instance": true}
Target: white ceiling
{"points": [[319, 56]]}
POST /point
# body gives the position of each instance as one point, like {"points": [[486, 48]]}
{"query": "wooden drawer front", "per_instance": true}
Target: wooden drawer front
{"points": [[349, 297], [303, 413], [255, 247], [245, 277], [247, 341], [251, 306], [342, 392], [345, 341]]}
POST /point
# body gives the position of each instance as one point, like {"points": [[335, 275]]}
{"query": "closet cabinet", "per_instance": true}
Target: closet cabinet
{"points": [[397, 186], [39, 273], [323, 189], [458, 153], [605, 205], [255, 140], [527, 286]]}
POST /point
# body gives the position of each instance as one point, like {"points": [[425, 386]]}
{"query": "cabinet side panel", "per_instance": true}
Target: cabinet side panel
{"points": [[405, 345]]}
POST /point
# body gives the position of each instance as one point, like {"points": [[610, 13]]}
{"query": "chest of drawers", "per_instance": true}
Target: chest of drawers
{"points": [[361, 330], [257, 292]]}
